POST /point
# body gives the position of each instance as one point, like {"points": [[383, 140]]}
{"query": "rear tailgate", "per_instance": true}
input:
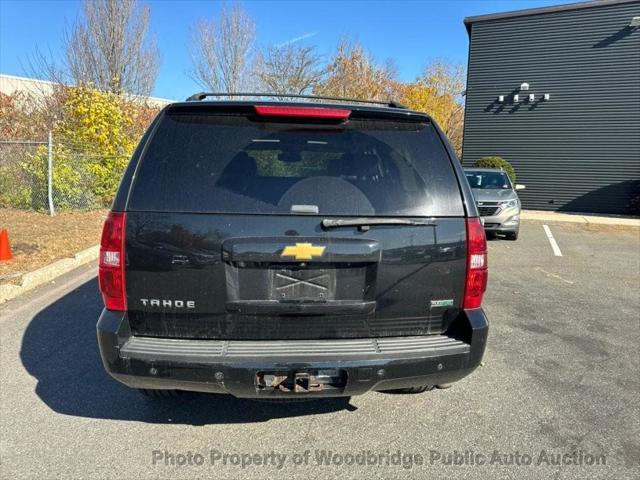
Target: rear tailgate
{"points": [[224, 235]]}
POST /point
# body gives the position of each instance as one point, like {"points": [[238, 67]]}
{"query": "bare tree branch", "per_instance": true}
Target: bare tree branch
{"points": [[221, 51], [289, 68], [107, 48]]}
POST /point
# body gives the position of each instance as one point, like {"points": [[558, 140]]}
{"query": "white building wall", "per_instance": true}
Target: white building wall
{"points": [[10, 84]]}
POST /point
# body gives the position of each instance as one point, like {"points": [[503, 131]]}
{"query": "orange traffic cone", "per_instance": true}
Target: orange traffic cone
{"points": [[5, 248]]}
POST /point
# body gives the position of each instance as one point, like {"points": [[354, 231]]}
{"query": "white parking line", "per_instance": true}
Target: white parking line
{"points": [[552, 241]]}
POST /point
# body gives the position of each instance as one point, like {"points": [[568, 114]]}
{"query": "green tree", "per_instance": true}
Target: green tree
{"points": [[497, 162]]}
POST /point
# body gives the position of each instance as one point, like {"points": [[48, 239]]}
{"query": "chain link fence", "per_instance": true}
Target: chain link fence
{"points": [[42, 175]]}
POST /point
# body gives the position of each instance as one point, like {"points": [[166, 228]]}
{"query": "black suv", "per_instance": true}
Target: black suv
{"points": [[292, 249]]}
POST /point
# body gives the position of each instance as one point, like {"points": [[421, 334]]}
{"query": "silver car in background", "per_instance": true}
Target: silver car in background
{"points": [[497, 201]]}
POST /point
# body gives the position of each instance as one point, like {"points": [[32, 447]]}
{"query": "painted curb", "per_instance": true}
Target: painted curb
{"points": [[34, 279], [578, 218]]}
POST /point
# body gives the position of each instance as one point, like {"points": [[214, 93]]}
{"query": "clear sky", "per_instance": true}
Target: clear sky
{"points": [[410, 33]]}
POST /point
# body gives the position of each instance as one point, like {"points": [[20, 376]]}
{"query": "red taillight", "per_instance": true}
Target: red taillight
{"points": [[111, 266], [305, 112], [477, 271]]}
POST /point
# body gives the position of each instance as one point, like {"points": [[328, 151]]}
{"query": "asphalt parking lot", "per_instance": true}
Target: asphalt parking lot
{"points": [[559, 383]]}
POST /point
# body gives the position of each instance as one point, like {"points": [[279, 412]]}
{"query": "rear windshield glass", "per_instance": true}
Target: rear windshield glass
{"points": [[488, 180], [232, 164]]}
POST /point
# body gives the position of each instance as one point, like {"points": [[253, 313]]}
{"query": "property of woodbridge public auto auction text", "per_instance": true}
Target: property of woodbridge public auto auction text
{"points": [[387, 458]]}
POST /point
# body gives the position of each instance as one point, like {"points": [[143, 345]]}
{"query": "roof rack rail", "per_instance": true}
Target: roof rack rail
{"points": [[202, 95]]}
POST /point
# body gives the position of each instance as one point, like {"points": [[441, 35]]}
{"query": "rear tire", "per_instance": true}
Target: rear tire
{"points": [[412, 390], [159, 394], [511, 236]]}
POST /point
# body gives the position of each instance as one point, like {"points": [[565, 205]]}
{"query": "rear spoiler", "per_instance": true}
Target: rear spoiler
{"points": [[246, 107], [196, 97]]}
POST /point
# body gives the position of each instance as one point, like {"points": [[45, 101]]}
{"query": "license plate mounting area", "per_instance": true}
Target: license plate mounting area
{"points": [[301, 382], [300, 284]]}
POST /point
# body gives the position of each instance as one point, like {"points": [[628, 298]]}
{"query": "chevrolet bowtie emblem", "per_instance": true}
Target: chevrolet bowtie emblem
{"points": [[303, 251]]}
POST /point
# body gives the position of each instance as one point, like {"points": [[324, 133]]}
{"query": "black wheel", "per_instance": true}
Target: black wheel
{"points": [[160, 394], [511, 236], [420, 389]]}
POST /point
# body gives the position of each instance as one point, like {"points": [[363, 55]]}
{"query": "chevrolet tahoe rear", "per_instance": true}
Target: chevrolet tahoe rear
{"points": [[276, 249]]}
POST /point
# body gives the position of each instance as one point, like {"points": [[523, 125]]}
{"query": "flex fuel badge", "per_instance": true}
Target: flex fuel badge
{"points": [[442, 303]]}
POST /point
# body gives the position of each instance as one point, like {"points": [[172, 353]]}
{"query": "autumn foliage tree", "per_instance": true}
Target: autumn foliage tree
{"points": [[95, 126], [90, 151], [354, 73], [94, 134], [17, 119], [438, 92]]}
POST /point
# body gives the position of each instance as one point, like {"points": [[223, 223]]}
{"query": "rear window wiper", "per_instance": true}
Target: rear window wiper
{"points": [[363, 223]]}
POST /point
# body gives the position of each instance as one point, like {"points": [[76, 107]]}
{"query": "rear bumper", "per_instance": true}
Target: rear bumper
{"points": [[232, 366], [498, 228], [503, 222]]}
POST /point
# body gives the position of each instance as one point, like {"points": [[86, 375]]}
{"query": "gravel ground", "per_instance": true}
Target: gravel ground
{"points": [[38, 239], [559, 382]]}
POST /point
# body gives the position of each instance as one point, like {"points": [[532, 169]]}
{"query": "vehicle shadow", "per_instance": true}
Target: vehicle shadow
{"points": [[59, 349]]}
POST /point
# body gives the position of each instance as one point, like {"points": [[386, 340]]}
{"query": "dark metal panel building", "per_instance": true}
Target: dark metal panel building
{"points": [[579, 149]]}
